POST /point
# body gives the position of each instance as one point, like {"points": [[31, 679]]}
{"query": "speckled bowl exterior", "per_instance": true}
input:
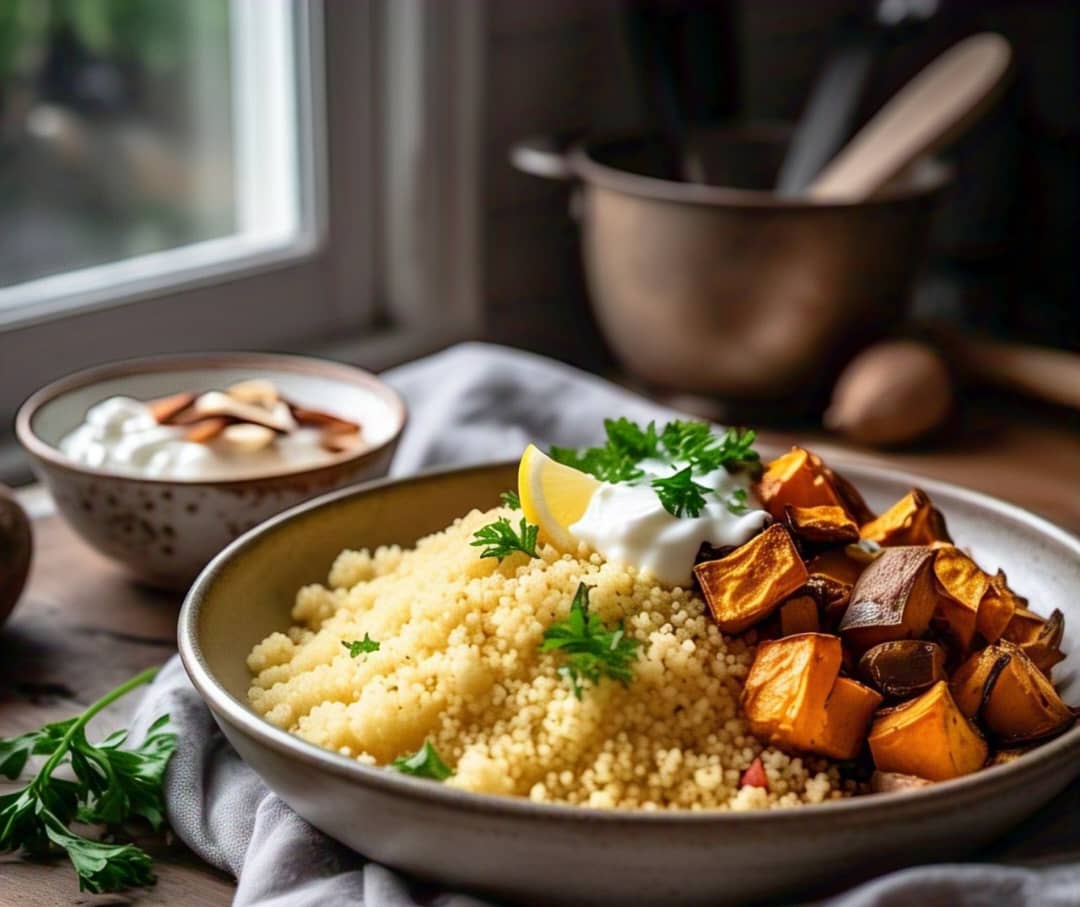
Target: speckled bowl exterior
{"points": [[164, 531], [550, 854]]}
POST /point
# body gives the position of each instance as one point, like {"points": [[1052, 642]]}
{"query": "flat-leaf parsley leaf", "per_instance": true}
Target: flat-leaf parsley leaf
{"points": [[689, 447], [424, 763], [510, 499], [111, 785], [680, 494], [736, 502], [499, 539], [592, 651], [617, 460], [358, 647]]}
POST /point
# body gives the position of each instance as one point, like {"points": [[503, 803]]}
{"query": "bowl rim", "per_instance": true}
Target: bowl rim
{"points": [[282, 362], [1051, 757], [935, 174]]}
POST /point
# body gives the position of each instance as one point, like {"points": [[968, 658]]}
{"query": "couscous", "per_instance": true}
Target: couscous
{"points": [[459, 665]]}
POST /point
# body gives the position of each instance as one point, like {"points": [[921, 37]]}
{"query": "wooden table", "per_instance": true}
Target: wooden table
{"points": [[82, 627]]}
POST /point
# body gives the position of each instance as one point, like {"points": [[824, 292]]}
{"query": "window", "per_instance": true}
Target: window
{"points": [[148, 142], [214, 174]]}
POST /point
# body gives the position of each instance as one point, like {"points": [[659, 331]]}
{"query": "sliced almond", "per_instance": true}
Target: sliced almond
{"points": [[215, 403], [248, 438], [326, 421], [341, 442], [166, 409], [256, 391], [205, 430]]}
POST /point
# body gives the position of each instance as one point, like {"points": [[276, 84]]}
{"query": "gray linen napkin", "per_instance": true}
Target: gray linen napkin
{"points": [[476, 403]]}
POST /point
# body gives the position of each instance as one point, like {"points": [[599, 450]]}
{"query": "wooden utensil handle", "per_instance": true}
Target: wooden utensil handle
{"points": [[1046, 374], [932, 109]]}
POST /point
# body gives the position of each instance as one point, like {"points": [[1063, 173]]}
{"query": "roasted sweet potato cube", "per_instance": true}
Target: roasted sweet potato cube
{"points": [[912, 520], [894, 599], [796, 478], [823, 524], [1002, 688], [964, 585], [799, 615], [785, 692], [838, 564], [747, 585], [904, 667], [999, 604], [848, 711], [928, 737], [850, 496], [1039, 637]]}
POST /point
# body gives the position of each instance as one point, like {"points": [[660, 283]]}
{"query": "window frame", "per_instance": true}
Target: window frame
{"points": [[350, 291]]}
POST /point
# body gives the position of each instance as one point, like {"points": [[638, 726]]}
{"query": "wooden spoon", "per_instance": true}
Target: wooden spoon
{"points": [[929, 112]]}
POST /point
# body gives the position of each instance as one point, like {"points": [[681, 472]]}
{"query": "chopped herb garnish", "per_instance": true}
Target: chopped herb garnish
{"points": [[510, 499], [592, 651], [424, 763], [617, 460], [360, 647], [499, 539], [111, 785], [690, 446], [694, 443], [736, 502], [680, 494]]}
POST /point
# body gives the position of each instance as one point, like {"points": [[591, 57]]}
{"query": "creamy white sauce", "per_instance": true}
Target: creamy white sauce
{"points": [[121, 435], [627, 524]]}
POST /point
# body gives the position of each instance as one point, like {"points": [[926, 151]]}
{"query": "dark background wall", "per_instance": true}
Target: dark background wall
{"points": [[1004, 242]]}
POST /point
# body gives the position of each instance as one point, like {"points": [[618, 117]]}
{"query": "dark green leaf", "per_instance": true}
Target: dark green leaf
{"points": [[592, 651], [510, 499], [424, 763], [736, 503], [499, 539], [680, 494], [361, 646]]}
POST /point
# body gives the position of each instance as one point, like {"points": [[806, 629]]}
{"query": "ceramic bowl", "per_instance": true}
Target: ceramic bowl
{"points": [[549, 854], [165, 530]]}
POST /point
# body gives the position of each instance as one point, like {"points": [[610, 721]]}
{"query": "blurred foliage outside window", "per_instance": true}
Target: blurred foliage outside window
{"points": [[116, 134]]}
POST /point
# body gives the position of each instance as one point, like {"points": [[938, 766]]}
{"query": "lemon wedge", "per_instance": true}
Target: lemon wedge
{"points": [[553, 496]]}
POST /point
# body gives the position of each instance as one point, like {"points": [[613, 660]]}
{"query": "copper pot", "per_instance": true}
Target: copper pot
{"points": [[706, 288]]}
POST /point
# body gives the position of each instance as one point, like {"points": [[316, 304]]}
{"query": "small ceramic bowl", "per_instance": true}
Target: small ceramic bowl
{"points": [[165, 530], [543, 853]]}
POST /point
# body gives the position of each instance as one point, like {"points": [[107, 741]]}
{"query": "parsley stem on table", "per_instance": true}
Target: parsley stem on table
{"points": [[83, 720], [111, 786]]}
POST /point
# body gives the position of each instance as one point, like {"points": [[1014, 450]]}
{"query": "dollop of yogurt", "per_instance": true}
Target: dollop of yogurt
{"points": [[121, 435], [627, 523]]}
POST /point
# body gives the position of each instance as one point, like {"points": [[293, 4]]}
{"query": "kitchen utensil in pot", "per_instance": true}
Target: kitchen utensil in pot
{"points": [[729, 289]]}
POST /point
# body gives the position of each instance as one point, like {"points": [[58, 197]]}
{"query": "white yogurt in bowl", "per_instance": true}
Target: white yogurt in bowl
{"points": [[121, 435], [163, 499]]}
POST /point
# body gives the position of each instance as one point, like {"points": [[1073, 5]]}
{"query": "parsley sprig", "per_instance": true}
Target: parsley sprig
{"points": [[358, 647], [680, 494], [111, 785], [680, 442], [510, 499], [424, 763], [592, 651], [736, 502], [499, 539]]}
